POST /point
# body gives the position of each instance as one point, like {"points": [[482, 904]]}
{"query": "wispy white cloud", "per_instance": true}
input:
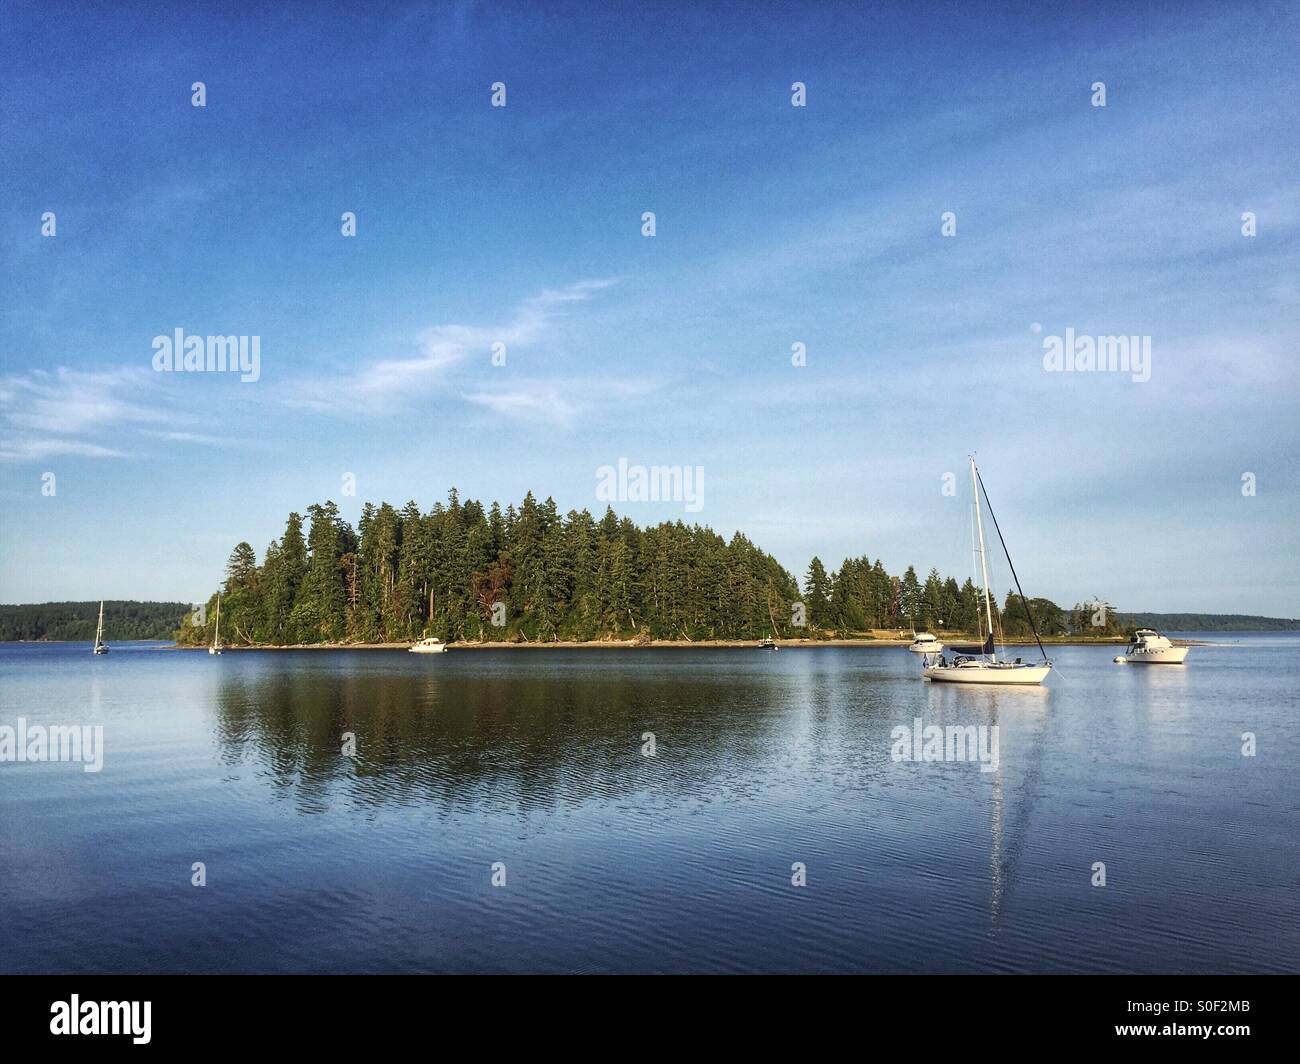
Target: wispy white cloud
{"points": [[72, 401], [48, 413], [34, 448], [557, 402], [205, 439], [118, 411], [544, 403], [377, 387]]}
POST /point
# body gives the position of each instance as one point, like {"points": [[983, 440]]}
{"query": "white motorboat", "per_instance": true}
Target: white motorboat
{"points": [[1149, 647], [216, 638], [980, 664], [925, 643], [100, 646], [768, 644], [429, 646]]}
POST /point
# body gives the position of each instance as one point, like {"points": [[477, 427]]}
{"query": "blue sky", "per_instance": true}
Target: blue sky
{"points": [[775, 225]]}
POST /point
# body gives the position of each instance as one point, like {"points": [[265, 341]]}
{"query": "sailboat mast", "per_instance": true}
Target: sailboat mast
{"points": [[984, 569], [99, 631]]}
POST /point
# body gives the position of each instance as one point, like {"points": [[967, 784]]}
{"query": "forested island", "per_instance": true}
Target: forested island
{"points": [[528, 574], [461, 572], [74, 621]]}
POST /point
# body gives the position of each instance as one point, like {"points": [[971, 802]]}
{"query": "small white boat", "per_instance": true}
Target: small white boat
{"points": [[925, 643], [1148, 647], [100, 646], [980, 664], [768, 644], [216, 638], [429, 646]]}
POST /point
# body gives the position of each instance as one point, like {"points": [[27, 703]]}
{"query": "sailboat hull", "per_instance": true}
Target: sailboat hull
{"points": [[1014, 675]]}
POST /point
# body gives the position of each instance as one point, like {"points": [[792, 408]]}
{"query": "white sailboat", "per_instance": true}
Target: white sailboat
{"points": [[100, 646], [980, 664], [216, 638]]}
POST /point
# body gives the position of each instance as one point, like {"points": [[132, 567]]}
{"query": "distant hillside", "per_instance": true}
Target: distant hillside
{"points": [[1208, 622], [75, 621]]}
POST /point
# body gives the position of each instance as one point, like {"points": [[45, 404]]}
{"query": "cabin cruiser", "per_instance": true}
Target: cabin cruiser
{"points": [[767, 644], [925, 643], [1149, 647], [429, 646]]}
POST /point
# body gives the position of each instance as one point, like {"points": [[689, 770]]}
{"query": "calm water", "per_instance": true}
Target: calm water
{"points": [[620, 862]]}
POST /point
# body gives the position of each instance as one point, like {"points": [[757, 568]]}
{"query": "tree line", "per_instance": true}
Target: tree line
{"points": [[76, 621], [527, 573]]}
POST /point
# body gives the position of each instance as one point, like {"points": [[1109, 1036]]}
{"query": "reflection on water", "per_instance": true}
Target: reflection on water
{"points": [[503, 740], [318, 861]]}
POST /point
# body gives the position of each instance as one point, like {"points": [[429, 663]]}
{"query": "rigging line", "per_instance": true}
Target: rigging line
{"points": [[1024, 601]]}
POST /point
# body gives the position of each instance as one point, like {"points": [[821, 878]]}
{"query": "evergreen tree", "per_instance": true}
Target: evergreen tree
{"points": [[285, 570], [910, 603], [931, 612], [846, 609], [241, 602], [319, 610], [816, 593]]}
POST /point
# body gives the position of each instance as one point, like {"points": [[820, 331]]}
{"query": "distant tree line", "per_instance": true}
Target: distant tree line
{"points": [[1208, 622], [75, 621]]}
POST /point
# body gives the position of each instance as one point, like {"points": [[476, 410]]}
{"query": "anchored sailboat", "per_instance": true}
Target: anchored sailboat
{"points": [[100, 646], [216, 638], [980, 664]]}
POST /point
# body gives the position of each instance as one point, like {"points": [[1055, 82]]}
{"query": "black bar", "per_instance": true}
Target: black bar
{"points": [[216, 1014]]}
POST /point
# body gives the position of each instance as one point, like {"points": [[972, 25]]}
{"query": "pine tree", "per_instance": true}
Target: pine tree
{"points": [[910, 603], [816, 591], [932, 600], [241, 602], [286, 569], [319, 610], [846, 607]]}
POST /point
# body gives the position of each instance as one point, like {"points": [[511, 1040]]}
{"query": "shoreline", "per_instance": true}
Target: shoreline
{"points": [[656, 644]]}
